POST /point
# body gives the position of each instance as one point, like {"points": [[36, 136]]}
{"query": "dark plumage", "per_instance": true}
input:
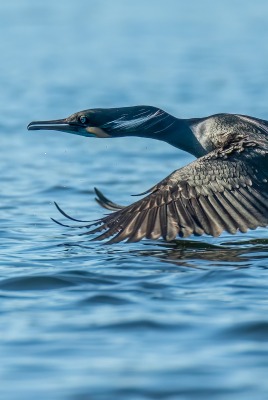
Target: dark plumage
{"points": [[225, 189]]}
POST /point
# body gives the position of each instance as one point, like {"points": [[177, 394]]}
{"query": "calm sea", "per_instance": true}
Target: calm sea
{"points": [[80, 320]]}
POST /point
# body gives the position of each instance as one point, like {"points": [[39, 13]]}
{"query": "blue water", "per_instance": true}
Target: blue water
{"points": [[79, 320]]}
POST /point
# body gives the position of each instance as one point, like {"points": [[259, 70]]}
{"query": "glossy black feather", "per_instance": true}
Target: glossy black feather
{"points": [[104, 202]]}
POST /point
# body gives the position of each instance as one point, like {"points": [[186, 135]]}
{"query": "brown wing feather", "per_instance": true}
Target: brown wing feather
{"points": [[104, 202], [226, 190]]}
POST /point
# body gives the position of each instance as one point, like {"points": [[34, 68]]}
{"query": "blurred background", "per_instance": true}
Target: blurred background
{"points": [[190, 58], [186, 320]]}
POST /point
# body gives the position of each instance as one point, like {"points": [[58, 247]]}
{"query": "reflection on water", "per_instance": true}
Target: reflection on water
{"points": [[194, 254], [183, 253]]}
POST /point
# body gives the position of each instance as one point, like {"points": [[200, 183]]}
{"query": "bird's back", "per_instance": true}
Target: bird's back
{"points": [[220, 130]]}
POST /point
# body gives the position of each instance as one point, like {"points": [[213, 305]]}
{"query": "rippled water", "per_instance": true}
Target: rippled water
{"points": [[80, 320]]}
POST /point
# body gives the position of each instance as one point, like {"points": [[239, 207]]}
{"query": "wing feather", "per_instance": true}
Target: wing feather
{"points": [[228, 222], [155, 233], [226, 190], [104, 202], [215, 221]]}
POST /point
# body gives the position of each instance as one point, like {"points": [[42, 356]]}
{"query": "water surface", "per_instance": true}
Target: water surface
{"points": [[79, 320]]}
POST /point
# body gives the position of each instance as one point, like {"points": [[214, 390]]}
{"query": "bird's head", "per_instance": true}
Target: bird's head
{"points": [[146, 121]]}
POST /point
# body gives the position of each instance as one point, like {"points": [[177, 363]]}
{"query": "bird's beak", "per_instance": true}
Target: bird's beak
{"points": [[56, 125], [65, 125]]}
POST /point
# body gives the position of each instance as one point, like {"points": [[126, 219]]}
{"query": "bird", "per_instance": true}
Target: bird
{"points": [[225, 189]]}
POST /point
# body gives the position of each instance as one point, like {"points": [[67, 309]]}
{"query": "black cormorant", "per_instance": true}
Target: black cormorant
{"points": [[225, 189]]}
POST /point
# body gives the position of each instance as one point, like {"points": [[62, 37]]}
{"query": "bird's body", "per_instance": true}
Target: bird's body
{"points": [[225, 189]]}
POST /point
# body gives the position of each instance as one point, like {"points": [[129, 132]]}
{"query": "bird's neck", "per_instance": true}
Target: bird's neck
{"points": [[175, 131], [151, 122], [182, 136]]}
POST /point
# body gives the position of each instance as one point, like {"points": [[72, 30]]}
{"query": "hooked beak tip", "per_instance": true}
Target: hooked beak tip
{"points": [[30, 126]]}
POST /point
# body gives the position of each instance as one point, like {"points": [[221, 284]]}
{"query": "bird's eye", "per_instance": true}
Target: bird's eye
{"points": [[83, 119]]}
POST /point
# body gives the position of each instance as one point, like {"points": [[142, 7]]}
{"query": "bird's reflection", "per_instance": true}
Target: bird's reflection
{"points": [[180, 253], [202, 255]]}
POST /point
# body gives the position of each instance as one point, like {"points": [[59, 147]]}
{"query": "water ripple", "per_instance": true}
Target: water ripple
{"points": [[152, 320]]}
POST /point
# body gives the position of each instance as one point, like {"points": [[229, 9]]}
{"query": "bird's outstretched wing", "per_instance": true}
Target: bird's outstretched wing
{"points": [[226, 190]]}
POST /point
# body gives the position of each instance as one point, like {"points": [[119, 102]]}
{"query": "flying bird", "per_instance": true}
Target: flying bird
{"points": [[224, 189]]}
